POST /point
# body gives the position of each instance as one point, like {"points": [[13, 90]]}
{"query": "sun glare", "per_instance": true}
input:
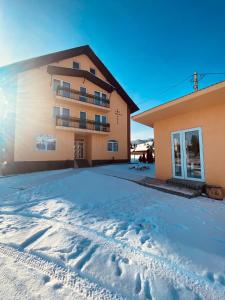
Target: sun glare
{"points": [[3, 105]]}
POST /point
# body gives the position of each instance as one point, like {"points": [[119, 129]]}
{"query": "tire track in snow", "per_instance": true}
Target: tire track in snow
{"points": [[33, 238], [81, 286], [156, 265]]}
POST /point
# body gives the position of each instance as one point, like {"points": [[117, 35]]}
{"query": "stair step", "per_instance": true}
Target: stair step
{"points": [[82, 163], [195, 185], [163, 186]]}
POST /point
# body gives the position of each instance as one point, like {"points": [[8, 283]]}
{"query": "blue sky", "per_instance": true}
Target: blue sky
{"points": [[149, 46]]}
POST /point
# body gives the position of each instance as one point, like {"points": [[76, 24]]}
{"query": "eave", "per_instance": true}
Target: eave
{"points": [[54, 70], [196, 101]]}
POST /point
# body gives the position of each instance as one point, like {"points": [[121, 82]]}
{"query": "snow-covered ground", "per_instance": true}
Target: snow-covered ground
{"points": [[88, 234]]}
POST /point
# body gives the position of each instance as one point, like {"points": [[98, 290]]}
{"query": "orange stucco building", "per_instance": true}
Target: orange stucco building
{"points": [[189, 134], [65, 109]]}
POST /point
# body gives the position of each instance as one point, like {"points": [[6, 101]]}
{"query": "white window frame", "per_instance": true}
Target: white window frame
{"points": [[101, 100], [113, 142], [45, 143], [101, 116], [86, 96], [61, 83], [61, 110]]}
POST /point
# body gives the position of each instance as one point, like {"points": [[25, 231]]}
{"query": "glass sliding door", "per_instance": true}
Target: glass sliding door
{"points": [[187, 154], [177, 155], [66, 117], [66, 89], [194, 156]]}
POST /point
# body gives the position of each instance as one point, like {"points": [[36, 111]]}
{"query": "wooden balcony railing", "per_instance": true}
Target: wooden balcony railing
{"points": [[76, 95], [82, 124]]}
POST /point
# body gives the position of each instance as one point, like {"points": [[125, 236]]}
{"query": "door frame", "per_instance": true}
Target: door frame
{"points": [[183, 154], [83, 142]]}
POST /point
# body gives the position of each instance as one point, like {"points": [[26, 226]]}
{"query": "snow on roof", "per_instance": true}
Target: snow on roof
{"points": [[142, 147]]}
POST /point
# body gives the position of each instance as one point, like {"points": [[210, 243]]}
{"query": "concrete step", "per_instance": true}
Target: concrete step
{"points": [[195, 185], [170, 188], [82, 163]]}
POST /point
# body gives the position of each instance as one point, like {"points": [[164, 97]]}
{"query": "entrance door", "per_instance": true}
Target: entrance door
{"points": [[187, 154], [79, 149]]}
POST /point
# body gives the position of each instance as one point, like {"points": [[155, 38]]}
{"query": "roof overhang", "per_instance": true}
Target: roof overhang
{"points": [[213, 95], [48, 59], [54, 70]]}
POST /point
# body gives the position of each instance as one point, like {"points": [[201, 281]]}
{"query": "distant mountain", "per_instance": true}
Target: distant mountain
{"points": [[139, 141]]}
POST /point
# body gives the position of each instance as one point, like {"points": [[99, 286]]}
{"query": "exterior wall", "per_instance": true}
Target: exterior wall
{"points": [[34, 117], [212, 121], [7, 117], [85, 64]]}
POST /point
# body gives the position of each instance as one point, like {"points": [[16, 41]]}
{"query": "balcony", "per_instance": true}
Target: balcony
{"points": [[81, 125], [75, 96]]}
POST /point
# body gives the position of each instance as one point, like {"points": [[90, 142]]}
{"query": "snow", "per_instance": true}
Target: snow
{"points": [[96, 234]]}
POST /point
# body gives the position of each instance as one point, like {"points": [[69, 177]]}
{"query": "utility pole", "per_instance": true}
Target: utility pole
{"points": [[195, 76]]}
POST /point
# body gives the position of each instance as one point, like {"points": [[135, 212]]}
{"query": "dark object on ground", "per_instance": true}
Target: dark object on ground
{"points": [[214, 192], [149, 156], [143, 158]]}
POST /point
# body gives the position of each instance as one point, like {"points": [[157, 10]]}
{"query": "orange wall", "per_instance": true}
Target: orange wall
{"points": [[212, 121], [34, 116]]}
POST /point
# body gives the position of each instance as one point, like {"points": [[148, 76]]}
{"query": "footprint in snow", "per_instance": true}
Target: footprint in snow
{"points": [[147, 290], [144, 239], [221, 279], [210, 276], [137, 288], [57, 286], [46, 279], [117, 261]]}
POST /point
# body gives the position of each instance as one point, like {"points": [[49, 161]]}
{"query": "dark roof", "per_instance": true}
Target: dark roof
{"points": [[81, 73], [39, 61]]}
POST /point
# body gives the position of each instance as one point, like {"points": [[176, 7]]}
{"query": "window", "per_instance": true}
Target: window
{"points": [[76, 65], [83, 119], [92, 70], [83, 94], [45, 143], [112, 146], [64, 87], [104, 99], [56, 84], [64, 113], [100, 98], [100, 121], [56, 111], [97, 98]]}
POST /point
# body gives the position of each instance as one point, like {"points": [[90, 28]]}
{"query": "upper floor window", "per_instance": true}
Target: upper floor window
{"points": [[56, 84], [112, 146], [64, 87], [76, 65], [93, 71], [64, 113], [45, 143], [100, 98], [83, 94]]}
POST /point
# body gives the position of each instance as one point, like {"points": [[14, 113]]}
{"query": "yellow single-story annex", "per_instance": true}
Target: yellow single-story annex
{"points": [[189, 134]]}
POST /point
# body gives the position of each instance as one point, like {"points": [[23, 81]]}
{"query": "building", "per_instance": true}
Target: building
{"points": [[189, 136], [63, 109], [140, 149]]}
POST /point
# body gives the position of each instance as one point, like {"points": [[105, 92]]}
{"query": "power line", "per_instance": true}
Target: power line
{"points": [[188, 78]]}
